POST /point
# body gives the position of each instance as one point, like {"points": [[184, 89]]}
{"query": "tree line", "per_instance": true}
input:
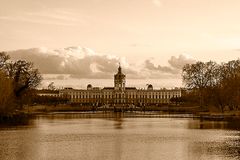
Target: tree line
{"points": [[213, 84], [17, 80]]}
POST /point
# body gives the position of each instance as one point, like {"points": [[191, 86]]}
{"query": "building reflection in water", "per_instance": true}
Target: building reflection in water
{"points": [[118, 120]]}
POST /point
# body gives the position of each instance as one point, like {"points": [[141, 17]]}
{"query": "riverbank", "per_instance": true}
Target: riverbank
{"points": [[150, 111], [69, 108]]}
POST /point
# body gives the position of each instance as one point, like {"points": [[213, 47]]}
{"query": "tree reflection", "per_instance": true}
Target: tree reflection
{"points": [[207, 124]]}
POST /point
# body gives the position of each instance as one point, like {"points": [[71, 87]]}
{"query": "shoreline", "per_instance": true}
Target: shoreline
{"points": [[126, 114], [151, 114], [89, 112]]}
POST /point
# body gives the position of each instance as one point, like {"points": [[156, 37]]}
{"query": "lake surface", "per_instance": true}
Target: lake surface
{"points": [[86, 137]]}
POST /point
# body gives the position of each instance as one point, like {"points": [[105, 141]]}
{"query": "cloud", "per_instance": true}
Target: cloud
{"points": [[180, 61], [139, 45], [165, 69], [157, 3], [175, 64], [83, 63], [55, 77], [38, 21], [50, 17], [78, 62]]}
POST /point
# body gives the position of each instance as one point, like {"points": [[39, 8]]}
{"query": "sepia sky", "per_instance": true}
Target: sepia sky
{"points": [[151, 38]]}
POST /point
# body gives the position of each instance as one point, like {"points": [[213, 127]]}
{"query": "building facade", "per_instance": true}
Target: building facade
{"points": [[120, 94]]}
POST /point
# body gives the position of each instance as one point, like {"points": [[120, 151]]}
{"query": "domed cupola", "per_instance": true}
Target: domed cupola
{"points": [[150, 87], [89, 87], [119, 79]]}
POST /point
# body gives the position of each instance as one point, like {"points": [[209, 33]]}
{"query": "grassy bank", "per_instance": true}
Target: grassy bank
{"points": [[24, 117], [206, 113], [64, 108]]}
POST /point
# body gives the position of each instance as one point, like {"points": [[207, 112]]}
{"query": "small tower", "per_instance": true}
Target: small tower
{"points": [[119, 80], [89, 87], [150, 87]]}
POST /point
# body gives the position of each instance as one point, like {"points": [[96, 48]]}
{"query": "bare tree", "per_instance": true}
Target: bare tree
{"points": [[215, 84], [230, 83], [18, 78], [201, 77], [51, 86], [24, 76]]}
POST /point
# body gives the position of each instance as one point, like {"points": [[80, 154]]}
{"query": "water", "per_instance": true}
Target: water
{"points": [[78, 137]]}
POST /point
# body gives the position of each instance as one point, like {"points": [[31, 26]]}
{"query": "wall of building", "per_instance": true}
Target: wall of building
{"points": [[111, 96]]}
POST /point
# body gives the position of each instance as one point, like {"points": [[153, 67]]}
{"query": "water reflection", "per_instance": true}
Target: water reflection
{"points": [[81, 136], [118, 121], [23, 121], [230, 149], [206, 124]]}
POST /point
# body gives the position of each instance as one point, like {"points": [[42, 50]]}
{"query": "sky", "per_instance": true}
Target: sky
{"points": [[74, 42]]}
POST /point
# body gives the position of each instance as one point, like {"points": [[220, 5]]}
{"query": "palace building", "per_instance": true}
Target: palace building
{"points": [[120, 94]]}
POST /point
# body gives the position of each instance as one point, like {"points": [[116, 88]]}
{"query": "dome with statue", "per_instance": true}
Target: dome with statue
{"points": [[119, 79]]}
